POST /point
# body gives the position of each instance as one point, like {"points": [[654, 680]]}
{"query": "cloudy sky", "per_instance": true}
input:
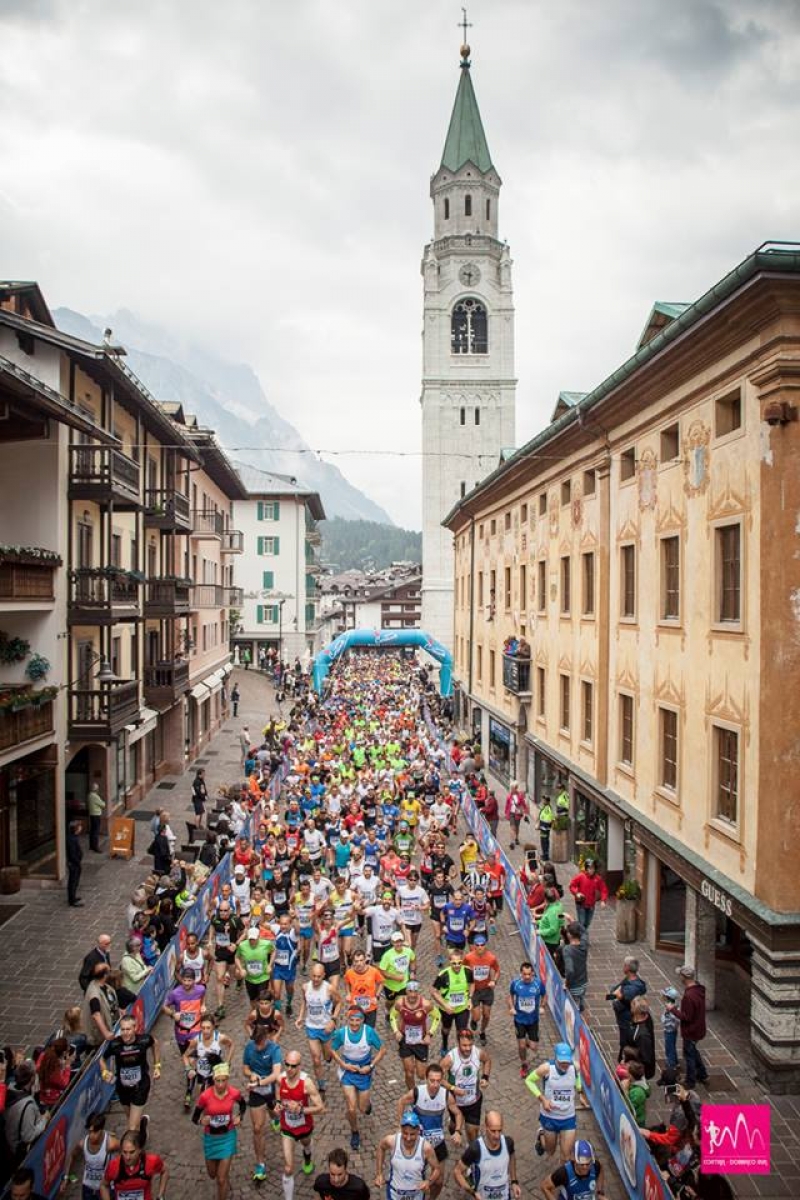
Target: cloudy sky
{"points": [[255, 175]]}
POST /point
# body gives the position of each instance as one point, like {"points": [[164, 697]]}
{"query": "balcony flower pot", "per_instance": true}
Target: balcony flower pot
{"points": [[559, 839], [628, 896]]}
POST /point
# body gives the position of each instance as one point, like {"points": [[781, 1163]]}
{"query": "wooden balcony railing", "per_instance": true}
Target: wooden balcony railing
{"points": [[207, 524], [102, 473], [208, 595], [27, 580], [98, 596], [167, 509], [22, 726], [167, 598], [165, 682], [104, 710]]}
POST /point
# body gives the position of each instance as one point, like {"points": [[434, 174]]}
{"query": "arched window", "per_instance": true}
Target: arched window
{"points": [[446, 209], [468, 205], [468, 328], [488, 209]]}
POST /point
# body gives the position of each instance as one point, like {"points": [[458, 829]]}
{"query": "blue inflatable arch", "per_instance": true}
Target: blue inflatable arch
{"points": [[380, 638]]}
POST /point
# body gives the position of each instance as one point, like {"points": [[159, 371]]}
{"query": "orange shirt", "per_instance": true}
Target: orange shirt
{"points": [[362, 989], [482, 966]]}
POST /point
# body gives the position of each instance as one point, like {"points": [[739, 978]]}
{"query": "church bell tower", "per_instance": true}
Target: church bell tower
{"points": [[468, 385]]}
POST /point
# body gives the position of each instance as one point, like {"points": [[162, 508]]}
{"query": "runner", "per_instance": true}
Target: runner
{"points": [[383, 920], [96, 1148], [356, 1050], [252, 962], [363, 983], [131, 1172], [128, 1054], [264, 1013], [414, 903], [303, 910], [261, 1065], [219, 1110], [485, 969], [431, 1101], [299, 1103], [488, 1166], [224, 934], [440, 893], [398, 966], [469, 1070], [318, 1012], [524, 994], [556, 1084], [327, 951], [451, 991], [414, 1021], [284, 963], [413, 1167], [194, 958], [579, 1179], [343, 903], [185, 1005], [337, 1183], [457, 920], [202, 1055]]}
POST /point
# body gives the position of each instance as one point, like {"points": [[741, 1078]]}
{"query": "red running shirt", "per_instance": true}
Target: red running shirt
{"points": [[219, 1109]]}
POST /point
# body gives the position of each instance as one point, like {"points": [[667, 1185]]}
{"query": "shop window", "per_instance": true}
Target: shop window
{"points": [[670, 442], [627, 556], [502, 749], [587, 711], [627, 463], [728, 414], [668, 721], [565, 585], [541, 585], [541, 691], [588, 584], [670, 579], [565, 702], [626, 730], [728, 573], [726, 782]]}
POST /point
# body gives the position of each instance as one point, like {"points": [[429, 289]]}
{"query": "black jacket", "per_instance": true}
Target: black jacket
{"points": [[87, 968], [162, 859], [643, 1038], [74, 851]]}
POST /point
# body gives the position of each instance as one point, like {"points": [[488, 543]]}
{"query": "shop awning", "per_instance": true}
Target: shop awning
{"points": [[226, 670], [147, 722], [214, 681], [199, 692]]}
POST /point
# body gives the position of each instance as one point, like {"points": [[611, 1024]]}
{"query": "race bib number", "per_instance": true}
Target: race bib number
{"points": [[562, 1096], [526, 1004], [130, 1076], [135, 1193], [456, 998], [330, 952], [480, 974], [439, 901], [413, 1034], [222, 939], [456, 924], [281, 958], [401, 963], [188, 1019], [279, 898], [495, 1192], [93, 1176], [363, 1002], [434, 1137], [254, 967], [294, 1119], [219, 1121]]}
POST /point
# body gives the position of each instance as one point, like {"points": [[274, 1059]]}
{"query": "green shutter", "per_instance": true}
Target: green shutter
{"points": [[276, 545], [261, 545], [259, 614], [260, 510], [276, 510], [269, 579], [275, 614]]}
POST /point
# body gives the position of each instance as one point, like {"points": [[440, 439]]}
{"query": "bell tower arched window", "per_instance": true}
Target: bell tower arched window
{"points": [[468, 205], [469, 328], [446, 209]]}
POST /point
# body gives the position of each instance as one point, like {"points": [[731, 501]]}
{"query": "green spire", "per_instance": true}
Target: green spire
{"points": [[466, 141]]}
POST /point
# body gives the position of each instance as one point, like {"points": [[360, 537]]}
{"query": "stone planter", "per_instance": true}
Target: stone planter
{"points": [[626, 920], [559, 845], [10, 880]]}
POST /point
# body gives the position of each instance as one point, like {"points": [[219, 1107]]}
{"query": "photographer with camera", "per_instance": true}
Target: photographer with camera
{"points": [[629, 987]]}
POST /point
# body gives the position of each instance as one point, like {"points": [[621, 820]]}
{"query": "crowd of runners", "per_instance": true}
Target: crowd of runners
{"points": [[356, 865]]}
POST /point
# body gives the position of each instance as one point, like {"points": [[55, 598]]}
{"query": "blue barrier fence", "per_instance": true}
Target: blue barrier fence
{"points": [[50, 1154]]}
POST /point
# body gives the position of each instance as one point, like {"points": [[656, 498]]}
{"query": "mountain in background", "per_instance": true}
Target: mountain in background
{"points": [[228, 398], [356, 545]]}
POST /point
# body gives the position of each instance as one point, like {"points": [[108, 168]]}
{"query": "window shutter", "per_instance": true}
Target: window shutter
{"points": [[269, 579], [275, 614], [276, 510], [259, 614], [260, 510], [276, 545], [261, 545]]}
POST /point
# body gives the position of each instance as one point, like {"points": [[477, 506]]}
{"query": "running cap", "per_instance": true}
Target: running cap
{"points": [[686, 972], [397, 936], [221, 1070], [239, 869], [388, 896], [253, 933], [563, 1052], [479, 939], [409, 1117], [584, 1152]]}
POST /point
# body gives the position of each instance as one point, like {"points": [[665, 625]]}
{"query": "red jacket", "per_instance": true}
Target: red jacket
{"points": [[522, 805], [591, 887], [692, 1012]]}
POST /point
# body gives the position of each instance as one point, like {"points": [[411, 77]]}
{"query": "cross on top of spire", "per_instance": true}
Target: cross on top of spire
{"points": [[464, 25]]}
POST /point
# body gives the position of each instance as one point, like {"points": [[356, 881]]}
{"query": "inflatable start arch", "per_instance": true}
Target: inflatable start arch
{"points": [[380, 639]]}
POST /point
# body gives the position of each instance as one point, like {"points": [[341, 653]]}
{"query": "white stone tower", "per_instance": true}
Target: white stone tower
{"points": [[468, 384]]}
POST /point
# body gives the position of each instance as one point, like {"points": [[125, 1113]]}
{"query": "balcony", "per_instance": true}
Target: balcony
{"points": [[164, 683], [207, 524], [103, 474], [102, 596], [26, 577], [208, 595], [517, 675], [25, 724], [167, 597], [233, 541], [167, 510], [104, 711], [235, 597], [313, 537]]}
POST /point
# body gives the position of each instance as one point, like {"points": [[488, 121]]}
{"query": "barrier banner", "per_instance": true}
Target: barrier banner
{"points": [[626, 1145]]}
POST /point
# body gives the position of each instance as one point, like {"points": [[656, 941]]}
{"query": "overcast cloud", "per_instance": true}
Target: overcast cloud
{"points": [[255, 175]]}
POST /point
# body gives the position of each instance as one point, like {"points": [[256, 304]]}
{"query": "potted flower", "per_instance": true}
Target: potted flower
{"points": [[559, 838], [629, 894], [13, 650], [37, 668]]}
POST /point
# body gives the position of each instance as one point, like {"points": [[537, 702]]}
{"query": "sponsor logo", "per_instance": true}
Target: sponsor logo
{"points": [[735, 1138], [137, 1012], [55, 1154], [585, 1057]]}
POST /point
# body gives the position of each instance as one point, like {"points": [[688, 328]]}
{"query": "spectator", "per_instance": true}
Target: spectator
{"points": [[637, 1090], [160, 850], [23, 1121], [137, 904], [100, 954], [53, 1071], [199, 796], [546, 818], [73, 1031], [643, 1038], [134, 969], [670, 1024], [22, 1185], [626, 990], [235, 698], [516, 811], [550, 924], [74, 860], [95, 805], [208, 851], [576, 958], [491, 811], [589, 889], [100, 1007], [691, 1013]]}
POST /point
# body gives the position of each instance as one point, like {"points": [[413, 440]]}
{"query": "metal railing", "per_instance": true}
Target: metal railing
{"points": [[208, 595], [232, 541], [207, 523]]}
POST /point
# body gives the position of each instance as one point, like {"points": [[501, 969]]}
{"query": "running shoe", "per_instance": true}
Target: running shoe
{"points": [[260, 1173], [538, 1145], [524, 1071], [355, 1141], [143, 1126], [473, 1025], [482, 1037], [308, 1165], [276, 1124], [187, 1101]]}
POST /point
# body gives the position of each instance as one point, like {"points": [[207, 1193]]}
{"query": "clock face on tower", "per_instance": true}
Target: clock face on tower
{"points": [[469, 275]]}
